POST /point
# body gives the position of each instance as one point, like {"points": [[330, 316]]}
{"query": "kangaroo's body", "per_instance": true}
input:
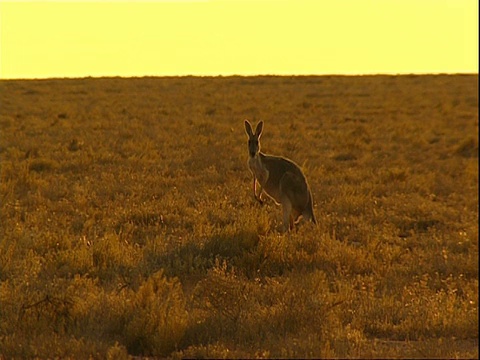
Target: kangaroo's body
{"points": [[281, 179]]}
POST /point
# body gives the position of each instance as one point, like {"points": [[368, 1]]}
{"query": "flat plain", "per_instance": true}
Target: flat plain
{"points": [[129, 227]]}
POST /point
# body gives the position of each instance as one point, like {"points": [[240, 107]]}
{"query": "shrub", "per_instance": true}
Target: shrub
{"points": [[156, 318]]}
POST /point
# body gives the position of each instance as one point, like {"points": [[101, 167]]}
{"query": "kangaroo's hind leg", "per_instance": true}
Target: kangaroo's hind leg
{"points": [[287, 214], [294, 192]]}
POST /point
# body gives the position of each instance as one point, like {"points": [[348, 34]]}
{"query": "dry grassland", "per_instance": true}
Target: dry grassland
{"points": [[129, 228]]}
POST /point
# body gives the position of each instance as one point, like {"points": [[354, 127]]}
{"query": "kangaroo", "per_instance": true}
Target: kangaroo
{"points": [[281, 179]]}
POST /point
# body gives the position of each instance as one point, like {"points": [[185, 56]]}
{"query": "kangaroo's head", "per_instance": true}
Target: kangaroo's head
{"points": [[253, 138]]}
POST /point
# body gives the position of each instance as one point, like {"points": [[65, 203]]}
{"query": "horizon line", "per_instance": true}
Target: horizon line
{"points": [[236, 75]]}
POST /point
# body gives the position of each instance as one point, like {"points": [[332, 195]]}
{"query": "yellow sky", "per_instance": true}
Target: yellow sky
{"points": [[245, 37]]}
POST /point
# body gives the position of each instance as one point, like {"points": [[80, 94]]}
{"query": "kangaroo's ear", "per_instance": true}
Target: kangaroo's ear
{"points": [[248, 128], [259, 129]]}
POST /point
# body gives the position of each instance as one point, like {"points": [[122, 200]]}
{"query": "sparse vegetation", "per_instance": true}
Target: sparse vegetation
{"points": [[128, 226]]}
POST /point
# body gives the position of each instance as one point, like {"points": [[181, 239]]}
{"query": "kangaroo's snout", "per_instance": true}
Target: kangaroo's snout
{"points": [[253, 147]]}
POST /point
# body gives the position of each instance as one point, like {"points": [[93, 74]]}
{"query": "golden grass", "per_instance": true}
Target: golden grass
{"points": [[128, 225]]}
